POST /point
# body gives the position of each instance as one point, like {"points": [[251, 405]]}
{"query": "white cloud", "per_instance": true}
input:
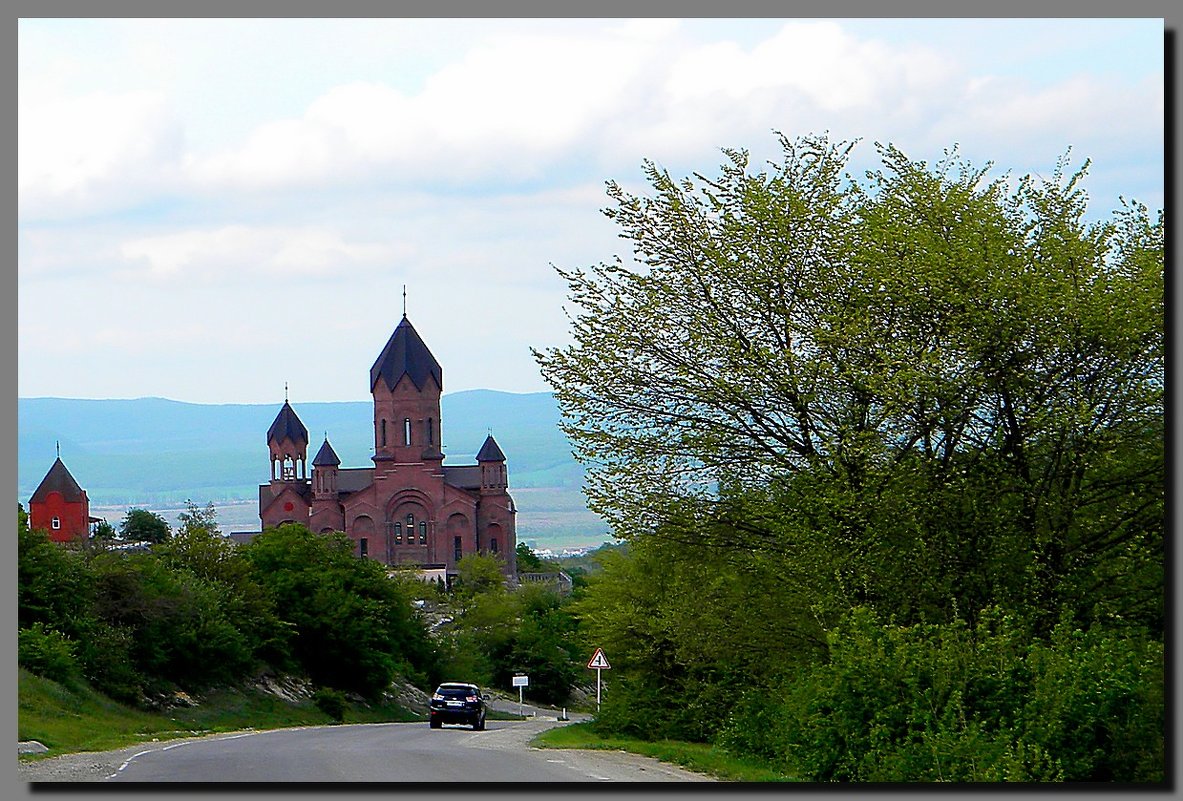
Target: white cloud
{"points": [[89, 153], [195, 192], [239, 253], [522, 106]]}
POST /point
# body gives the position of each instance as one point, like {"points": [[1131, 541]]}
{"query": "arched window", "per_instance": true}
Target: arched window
{"points": [[384, 433], [398, 533], [56, 523], [410, 521], [363, 547], [406, 431], [422, 532], [493, 545]]}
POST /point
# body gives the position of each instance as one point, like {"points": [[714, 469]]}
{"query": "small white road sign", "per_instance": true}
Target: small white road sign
{"points": [[599, 661], [521, 681]]}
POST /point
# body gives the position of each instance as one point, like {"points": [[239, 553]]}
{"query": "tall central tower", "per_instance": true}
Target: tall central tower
{"points": [[406, 382]]}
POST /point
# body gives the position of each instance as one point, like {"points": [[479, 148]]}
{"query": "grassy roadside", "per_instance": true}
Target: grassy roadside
{"points": [[72, 719], [698, 757]]}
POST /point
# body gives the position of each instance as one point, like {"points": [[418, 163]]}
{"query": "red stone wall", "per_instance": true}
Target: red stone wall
{"points": [[73, 516]]}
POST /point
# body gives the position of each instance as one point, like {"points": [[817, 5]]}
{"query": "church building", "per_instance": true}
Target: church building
{"points": [[409, 508], [60, 507]]}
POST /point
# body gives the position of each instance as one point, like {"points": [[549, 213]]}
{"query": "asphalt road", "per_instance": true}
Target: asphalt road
{"points": [[388, 752]]}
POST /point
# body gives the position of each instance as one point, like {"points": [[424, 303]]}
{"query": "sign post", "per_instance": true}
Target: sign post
{"points": [[597, 663], [520, 682]]}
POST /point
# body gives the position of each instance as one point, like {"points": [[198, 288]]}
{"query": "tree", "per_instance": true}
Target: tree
{"points": [[140, 525], [353, 626], [527, 560], [477, 574], [196, 518], [104, 532], [925, 386]]}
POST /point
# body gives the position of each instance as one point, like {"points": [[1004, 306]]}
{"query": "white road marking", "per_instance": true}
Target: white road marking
{"points": [[174, 745]]}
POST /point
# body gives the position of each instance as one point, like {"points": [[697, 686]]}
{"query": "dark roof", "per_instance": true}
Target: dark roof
{"points": [[354, 479], [58, 479], [489, 452], [287, 425], [466, 476], [326, 456], [406, 354]]}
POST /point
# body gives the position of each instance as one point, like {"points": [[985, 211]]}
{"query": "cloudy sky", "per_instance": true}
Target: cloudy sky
{"points": [[211, 208]]}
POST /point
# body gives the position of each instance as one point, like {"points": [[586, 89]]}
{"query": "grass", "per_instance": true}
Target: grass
{"points": [[77, 718], [698, 757]]}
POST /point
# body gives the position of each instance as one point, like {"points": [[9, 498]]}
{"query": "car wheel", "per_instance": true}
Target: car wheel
{"points": [[435, 724], [480, 724]]}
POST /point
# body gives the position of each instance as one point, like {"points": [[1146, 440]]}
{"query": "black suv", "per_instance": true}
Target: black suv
{"points": [[453, 702]]}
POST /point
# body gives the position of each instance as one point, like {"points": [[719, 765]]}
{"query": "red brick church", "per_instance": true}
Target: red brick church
{"points": [[409, 508], [60, 507]]}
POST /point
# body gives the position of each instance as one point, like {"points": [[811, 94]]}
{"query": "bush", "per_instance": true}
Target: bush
{"points": [[47, 653], [951, 703], [107, 662], [331, 702]]}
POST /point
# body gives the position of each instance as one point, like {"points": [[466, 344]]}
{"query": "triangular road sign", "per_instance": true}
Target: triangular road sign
{"points": [[599, 661]]}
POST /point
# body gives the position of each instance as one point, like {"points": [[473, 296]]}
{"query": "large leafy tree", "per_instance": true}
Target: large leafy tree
{"points": [[140, 525], [352, 624], [924, 387]]}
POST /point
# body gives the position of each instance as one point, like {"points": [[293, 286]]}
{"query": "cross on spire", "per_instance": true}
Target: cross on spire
{"points": [[404, 300], [58, 445], [285, 391]]}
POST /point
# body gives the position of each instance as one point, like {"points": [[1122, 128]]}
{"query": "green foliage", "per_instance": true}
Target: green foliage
{"points": [[76, 718], [199, 518], [952, 703], [104, 532], [47, 653], [180, 629], [928, 393], [496, 634], [546, 646], [352, 625], [54, 586], [864, 344], [197, 612], [698, 757], [331, 702], [477, 574], [527, 560], [140, 525]]}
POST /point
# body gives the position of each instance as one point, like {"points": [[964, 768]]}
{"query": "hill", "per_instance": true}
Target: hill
{"points": [[156, 453]]}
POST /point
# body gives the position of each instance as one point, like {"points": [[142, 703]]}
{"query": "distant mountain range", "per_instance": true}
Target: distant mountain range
{"points": [[158, 452]]}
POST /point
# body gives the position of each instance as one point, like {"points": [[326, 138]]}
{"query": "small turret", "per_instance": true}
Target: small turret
{"points": [[492, 461], [324, 472]]}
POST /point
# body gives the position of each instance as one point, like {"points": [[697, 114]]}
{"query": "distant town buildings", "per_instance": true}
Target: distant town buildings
{"points": [[409, 508]]}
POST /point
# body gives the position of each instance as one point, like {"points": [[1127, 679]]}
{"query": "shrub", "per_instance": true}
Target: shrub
{"points": [[951, 703], [47, 653], [331, 702]]}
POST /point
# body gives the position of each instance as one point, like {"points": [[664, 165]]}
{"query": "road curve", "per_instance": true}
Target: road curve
{"points": [[387, 753]]}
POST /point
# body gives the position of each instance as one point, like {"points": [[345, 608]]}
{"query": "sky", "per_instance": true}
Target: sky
{"points": [[211, 209]]}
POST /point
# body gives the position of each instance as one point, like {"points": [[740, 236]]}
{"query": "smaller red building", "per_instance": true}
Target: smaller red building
{"points": [[59, 506]]}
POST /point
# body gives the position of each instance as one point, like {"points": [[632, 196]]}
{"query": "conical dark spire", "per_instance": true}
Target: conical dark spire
{"points": [[58, 479], [287, 425], [326, 456], [489, 452], [406, 354]]}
